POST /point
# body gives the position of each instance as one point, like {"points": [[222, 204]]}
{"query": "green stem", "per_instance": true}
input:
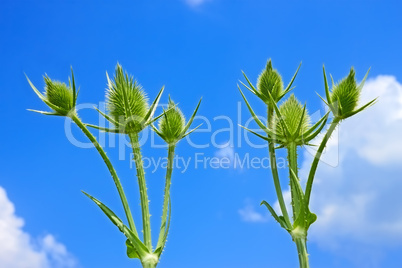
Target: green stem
{"points": [[111, 169], [166, 199], [274, 168], [292, 160], [146, 217], [302, 252], [317, 157]]}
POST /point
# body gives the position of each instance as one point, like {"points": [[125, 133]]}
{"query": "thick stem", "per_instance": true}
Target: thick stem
{"points": [[166, 198], [292, 160], [111, 169], [146, 217], [302, 252], [149, 265], [317, 157], [274, 168]]}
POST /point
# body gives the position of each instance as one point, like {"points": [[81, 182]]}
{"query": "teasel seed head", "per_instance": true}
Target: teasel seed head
{"points": [[294, 116], [270, 82], [172, 124], [344, 97], [126, 101], [58, 96]]}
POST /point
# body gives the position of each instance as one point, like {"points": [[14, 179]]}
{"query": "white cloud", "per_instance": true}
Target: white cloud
{"points": [[249, 214], [19, 250], [358, 201], [195, 3], [226, 152]]}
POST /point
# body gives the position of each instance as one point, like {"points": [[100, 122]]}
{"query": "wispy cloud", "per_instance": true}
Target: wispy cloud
{"points": [[19, 250], [249, 214], [195, 3]]}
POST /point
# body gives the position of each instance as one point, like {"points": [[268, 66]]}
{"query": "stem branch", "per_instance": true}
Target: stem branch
{"points": [[274, 168], [166, 199], [143, 190], [111, 169], [317, 157]]}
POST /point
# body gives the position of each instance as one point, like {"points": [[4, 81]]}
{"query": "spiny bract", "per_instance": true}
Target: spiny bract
{"points": [[126, 100], [172, 124], [59, 94], [270, 81], [292, 111], [345, 95]]}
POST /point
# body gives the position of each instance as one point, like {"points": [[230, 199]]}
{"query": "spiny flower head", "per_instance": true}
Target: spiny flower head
{"points": [[60, 95], [345, 95], [126, 100], [292, 112], [172, 124], [270, 82]]}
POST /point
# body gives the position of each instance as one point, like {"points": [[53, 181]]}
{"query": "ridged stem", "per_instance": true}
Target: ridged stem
{"points": [[292, 161], [274, 168], [111, 169], [166, 198], [302, 252], [146, 217], [317, 157]]}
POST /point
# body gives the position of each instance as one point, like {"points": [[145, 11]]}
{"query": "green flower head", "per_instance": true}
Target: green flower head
{"points": [[126, 101], [270, 82], [172, 124], [344, 97], [58, 96], [269, 85], [294, 116], [346, 94]]}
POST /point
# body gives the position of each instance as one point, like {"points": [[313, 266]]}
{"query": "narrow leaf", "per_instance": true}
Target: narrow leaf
{"points": [[140, 248]]}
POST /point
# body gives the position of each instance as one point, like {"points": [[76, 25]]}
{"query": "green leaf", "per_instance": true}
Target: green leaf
{"points": [[74, 89], [103, 128], [255, 133], [43, 112], [287, 89], [280, 219], [107, 117], [191, 131], [327, 94], [318, 131], [257, 120], [153, 107], [131, 252], [190, 121], [361, 108], [140, 248], [305, 217], [43, 98]]}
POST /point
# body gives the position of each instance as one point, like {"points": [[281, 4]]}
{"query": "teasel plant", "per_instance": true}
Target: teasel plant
{"points": [[289, 127], [129, 113]]}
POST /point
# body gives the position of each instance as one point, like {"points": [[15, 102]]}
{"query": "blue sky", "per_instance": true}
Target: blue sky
{"points": [[198, 49]]}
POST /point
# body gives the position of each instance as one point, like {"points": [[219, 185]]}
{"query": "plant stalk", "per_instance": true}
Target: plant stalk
{"points": [[166, 199], [317, 157], [292, 161], [302, 252], [146, 217], [111, 169], [274, 168]]}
